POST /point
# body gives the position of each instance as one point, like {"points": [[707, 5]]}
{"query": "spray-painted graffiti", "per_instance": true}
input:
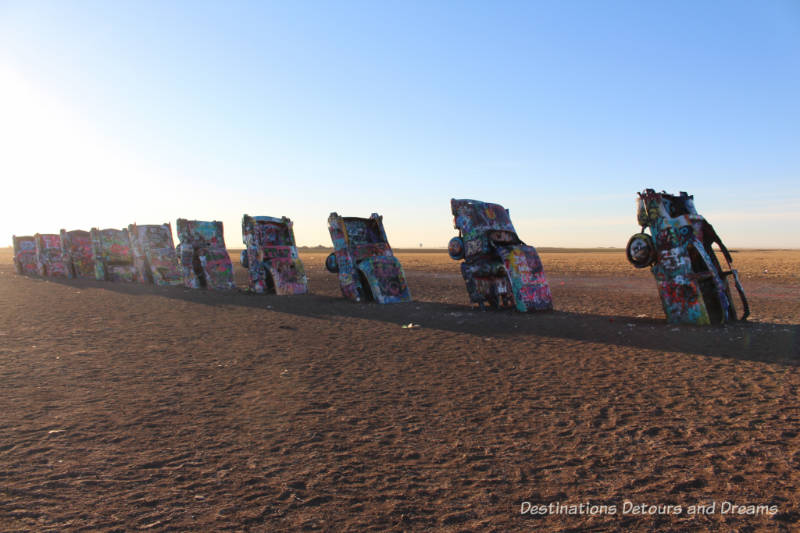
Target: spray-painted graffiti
{"points": [[113, 257], [77, 245], [25, 254], [498, 269], [363, 259], [51, 260], [692, 285], [203, 257], [154, 254], [270, 256]]}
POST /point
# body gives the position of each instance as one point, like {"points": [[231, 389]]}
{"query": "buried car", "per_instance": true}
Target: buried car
{"points": [[51, 260], [692, 285], [363, 259], [113, 258], [154, 254], [24, 254], [270, 256], [77, 244], [204, 260], [498, 268]]}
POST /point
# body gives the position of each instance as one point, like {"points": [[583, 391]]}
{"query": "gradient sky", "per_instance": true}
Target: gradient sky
{"points": [[115, 112]]}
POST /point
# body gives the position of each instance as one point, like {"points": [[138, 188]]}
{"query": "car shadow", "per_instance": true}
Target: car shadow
{"points": [[753, 341]]}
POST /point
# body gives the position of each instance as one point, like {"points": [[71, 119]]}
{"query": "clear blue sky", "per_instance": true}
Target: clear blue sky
{"points": [[114, 112]]}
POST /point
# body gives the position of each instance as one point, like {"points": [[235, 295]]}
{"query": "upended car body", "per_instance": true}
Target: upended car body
{"points": [[113, 257], [270, 256], [499, 269], [154, 254], [204, 260], [363, 259], [78, 246], [25, 254], [51, 260], [692, 285]]}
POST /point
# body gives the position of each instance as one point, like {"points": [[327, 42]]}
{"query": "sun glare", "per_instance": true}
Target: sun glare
{"points": [[58, 169]]}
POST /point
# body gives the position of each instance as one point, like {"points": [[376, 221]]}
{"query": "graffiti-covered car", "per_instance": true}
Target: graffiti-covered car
{"points": [[270, 256], [51, 260], [204, 260], [363, 259], [498, 268], [78, 246], [25, 254], [154, 254], [692, 284], [113, 257]]}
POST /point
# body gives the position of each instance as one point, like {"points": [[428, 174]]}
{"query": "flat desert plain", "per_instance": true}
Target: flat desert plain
{"points": [[130, 407]]}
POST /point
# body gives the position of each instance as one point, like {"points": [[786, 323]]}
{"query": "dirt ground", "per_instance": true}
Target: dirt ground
{"points": [[130, 407]]}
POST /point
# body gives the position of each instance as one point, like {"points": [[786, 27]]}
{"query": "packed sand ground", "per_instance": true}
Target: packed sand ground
{"points": [[131, 407]]}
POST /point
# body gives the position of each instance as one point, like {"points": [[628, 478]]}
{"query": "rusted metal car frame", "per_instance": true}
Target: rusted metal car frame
{"points": [[113, 257], [204, 260], [25, 254], [498, 268], [154, 254], [51, 260], [364, 261], [270, 256], [78, 246], [679, 251]]}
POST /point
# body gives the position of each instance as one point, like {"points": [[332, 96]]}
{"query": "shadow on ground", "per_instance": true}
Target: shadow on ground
{"points": [[765, 342]]}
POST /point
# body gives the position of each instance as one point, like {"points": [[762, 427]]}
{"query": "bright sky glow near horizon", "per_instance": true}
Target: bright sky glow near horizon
{"points": [[120, 112]]}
